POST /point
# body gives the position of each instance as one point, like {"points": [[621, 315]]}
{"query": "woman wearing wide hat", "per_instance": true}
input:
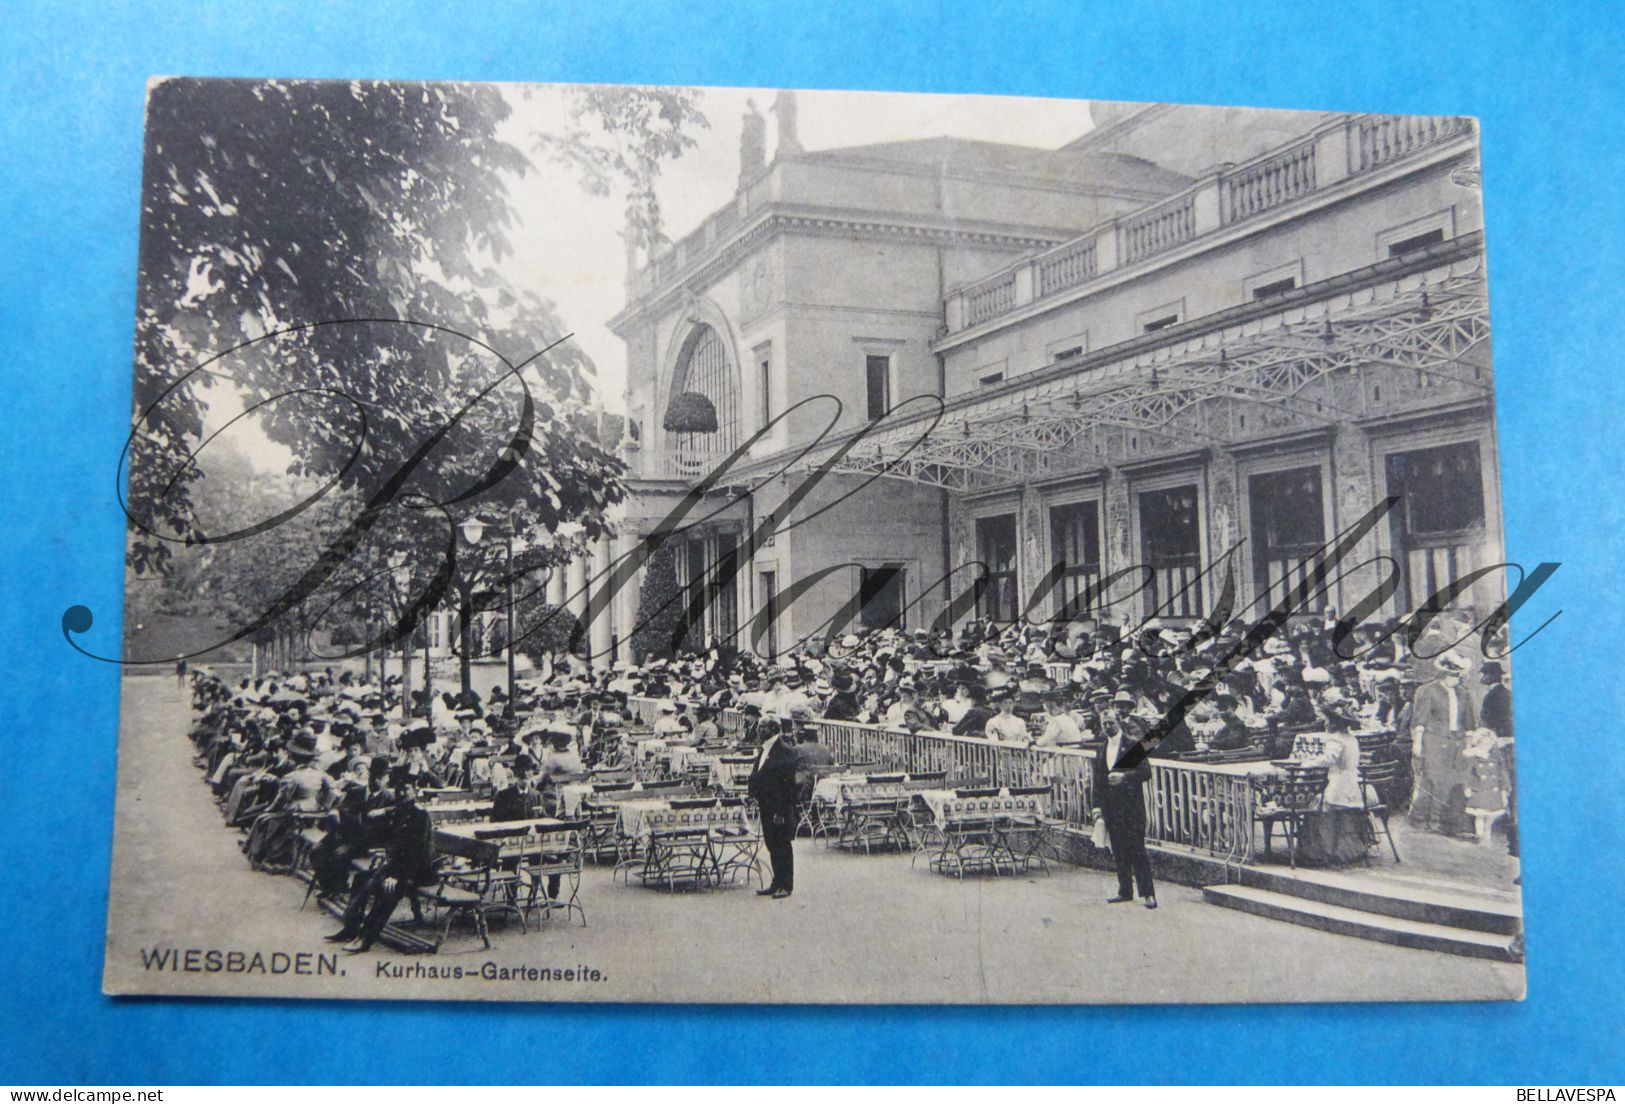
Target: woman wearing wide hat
{"points": [[1442, 714], [305, 790]]}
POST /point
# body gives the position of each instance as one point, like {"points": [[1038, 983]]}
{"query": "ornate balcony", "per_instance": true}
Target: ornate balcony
{"points": [[671, 465], [1344, 148]]}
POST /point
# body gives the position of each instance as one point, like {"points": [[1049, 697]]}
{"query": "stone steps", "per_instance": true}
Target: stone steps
{"points": [[1399, 897], [1360, 922]]}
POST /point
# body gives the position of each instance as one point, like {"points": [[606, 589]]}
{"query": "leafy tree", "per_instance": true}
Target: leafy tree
{"points": [[333, 251], [641, 128], [545, 628]]}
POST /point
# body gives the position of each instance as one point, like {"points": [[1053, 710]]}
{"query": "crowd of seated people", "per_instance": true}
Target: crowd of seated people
{"points": [[282, 753], [1025, 684], [316, 755], [1047, 686]]}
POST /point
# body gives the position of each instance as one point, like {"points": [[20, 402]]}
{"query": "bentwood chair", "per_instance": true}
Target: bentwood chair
{"points": [[1379, 779], [815, 818], [736, 847], [602, 841], [473, 894], [306, 841], [1300, 791], [561, 854]]}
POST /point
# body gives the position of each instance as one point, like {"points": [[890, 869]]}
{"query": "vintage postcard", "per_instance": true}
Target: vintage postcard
{"points": [[596, 543]]}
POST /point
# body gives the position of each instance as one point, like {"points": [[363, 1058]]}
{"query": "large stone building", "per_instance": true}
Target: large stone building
{"points": [[1093, 370]]}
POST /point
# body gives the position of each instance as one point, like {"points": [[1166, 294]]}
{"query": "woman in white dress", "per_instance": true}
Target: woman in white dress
{"points": [[1339, 830]]}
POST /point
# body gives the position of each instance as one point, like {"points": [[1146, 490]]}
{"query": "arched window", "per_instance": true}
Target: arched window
{"points": [[705, 368]]}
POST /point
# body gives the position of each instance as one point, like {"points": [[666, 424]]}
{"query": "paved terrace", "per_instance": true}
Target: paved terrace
{"points": [[859, 928]]}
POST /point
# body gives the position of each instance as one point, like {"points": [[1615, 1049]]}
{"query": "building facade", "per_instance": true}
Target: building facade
{"points": [[1068, 383]]}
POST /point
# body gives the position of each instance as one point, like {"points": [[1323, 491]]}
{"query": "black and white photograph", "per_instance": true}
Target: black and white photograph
{"points": [[665, 544]]}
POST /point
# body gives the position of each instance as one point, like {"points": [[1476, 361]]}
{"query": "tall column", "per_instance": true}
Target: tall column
{"points": [[555, 586], [961, 554], [1031, 559], [602, 628], [1356, 490], [627, 603], [617, 607], [1224, 491], [575, 585], [1117, 545]]}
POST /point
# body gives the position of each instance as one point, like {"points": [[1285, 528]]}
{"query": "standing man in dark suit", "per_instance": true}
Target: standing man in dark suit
{"points": [[408, 863], [773, 786], [1122, 801], [1495, 714]]}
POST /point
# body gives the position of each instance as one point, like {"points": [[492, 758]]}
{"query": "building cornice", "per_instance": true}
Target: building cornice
{"points": [[1434, 415], [1057, 185], [782, 219]]}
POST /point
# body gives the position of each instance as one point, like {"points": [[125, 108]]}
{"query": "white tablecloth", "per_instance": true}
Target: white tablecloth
{"points": [[684, 757], [828, 788], [630, 822], [937, 802], [571, 794]]}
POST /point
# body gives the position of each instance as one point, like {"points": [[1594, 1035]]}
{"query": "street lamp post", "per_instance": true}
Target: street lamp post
{"points": [[428, 675], [400, 569], [474, 530]]}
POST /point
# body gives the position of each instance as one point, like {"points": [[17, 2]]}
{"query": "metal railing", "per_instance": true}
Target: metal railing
{"points": [[1206, 807], [688, 465]]}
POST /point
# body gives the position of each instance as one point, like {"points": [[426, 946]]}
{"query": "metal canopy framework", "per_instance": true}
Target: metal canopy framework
{"points": [[1382, 350]]}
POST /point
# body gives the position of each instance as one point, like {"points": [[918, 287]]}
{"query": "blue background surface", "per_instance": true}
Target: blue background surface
{"points": [[1542, 78]]}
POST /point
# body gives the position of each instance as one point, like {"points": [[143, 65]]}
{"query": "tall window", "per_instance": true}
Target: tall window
{"points": [[877, 369], [698, 592], [1289, 531], [1440, 517], [1170, 540], [1074, 536], [765, 376], [880, 590], [996, 549], [725, 588], [770, 608], [706, 368]]}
